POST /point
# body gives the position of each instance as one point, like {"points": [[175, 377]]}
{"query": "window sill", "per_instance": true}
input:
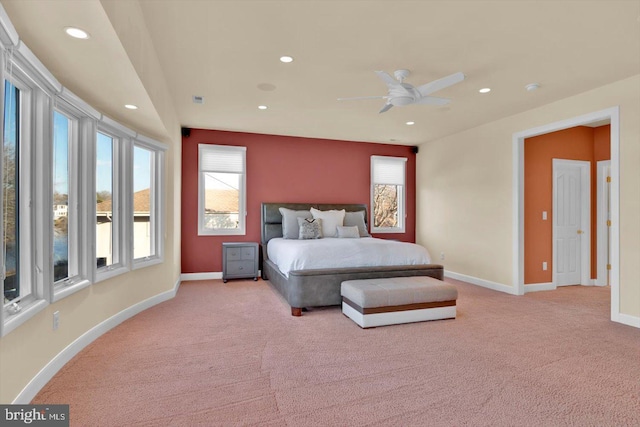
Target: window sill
{"points": [[12, 321], [146, 262], [65, 291], [221, 232], [106, 273], [387, 230]]}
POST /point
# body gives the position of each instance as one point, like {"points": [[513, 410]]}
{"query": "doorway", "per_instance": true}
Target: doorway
{"points": [[612, 116]]}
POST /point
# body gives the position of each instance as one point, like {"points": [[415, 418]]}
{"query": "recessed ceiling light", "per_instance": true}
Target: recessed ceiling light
{"points": [[267, 87], [76, 33], [262, 107], [485, 90], [532, 86], [131, 106], [286, 59], [411, 123]]}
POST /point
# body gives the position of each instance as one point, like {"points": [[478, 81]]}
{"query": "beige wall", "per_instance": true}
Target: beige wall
{"points": [[29, 348], [464, 190]]}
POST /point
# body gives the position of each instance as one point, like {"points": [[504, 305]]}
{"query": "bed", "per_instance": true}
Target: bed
{"points": [[317, 287]]}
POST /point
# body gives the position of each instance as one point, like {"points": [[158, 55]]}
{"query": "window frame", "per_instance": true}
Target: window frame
{"points": [[157, 202], [120, 137], [77, 205], [402, 203], [242, 199], [33, 105]]}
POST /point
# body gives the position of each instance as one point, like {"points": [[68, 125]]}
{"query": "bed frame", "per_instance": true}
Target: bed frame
{"points": [[321, 287]]}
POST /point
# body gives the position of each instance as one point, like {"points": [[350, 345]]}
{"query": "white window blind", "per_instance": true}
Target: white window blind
{"points": [[218, 158], [388, 170]]}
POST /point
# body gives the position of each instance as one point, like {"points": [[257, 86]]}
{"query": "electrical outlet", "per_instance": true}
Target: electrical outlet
{"points": [[56, 320], [544, 215], [544, 266], [441, 256]]}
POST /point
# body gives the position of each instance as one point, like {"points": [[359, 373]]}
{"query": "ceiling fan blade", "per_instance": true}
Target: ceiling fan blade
{"points": [[387, 79], [361, 97], [440, 84], [432, 100], [386, 107]]}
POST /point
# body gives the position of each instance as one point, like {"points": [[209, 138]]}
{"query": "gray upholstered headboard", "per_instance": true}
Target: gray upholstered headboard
{"points": [[271, 219]]}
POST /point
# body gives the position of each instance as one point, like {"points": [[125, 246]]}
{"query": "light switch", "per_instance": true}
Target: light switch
{"points": [[544, 215]]}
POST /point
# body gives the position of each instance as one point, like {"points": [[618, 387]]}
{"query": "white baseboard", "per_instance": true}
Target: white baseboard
{"points": [[205, 276], [481, 282], [629, 320], [201, 276], [536, 287], [55, 364]]}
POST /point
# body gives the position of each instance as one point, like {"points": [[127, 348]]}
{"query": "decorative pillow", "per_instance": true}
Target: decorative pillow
{"points": [[310, 228], [290, 227], [357, 219], [350, 232], [330, 221]]}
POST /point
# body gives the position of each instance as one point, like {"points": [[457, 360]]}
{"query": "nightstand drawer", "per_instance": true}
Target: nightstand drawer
{"points": [[235, 268], [241, 253]]}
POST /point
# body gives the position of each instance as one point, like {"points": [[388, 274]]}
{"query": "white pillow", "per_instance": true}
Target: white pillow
{"points": [[330, 221]]}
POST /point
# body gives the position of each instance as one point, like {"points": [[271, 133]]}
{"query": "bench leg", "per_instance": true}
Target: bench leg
{"points": [[296, 311]]}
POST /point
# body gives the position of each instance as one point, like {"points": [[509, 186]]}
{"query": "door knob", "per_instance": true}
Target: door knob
{"points": [[580, 232]]}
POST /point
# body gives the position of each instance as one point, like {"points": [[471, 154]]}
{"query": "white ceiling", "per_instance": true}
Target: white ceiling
{"points": [[226, 51]]}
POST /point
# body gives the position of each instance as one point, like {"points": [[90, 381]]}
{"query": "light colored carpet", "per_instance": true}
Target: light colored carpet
{"points": [[231, 354]]}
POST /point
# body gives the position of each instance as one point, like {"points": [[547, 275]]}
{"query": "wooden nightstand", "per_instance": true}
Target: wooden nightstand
{"points": [[239, 260]]}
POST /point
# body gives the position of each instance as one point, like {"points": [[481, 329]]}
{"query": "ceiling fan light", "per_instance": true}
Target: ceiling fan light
{"points": [[401, 100]]}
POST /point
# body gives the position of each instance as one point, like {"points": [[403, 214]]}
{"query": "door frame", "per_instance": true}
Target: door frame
{"points": [[602, 243], [585, 220], [613, 116]]}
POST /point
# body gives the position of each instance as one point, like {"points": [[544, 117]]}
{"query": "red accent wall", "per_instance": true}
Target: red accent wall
{"points": [[285, 169], [579, 143]]}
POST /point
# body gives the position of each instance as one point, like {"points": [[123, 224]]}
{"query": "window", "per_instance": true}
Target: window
{"points": [[69, 247], [142, 203], [148, 164], [106, 203], [221, 189], [62, 216], [388, 194], [23, 290], [13, 291]]}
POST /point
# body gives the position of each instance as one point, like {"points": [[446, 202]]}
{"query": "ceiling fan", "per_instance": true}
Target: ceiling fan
{"points": [[401, 93]]}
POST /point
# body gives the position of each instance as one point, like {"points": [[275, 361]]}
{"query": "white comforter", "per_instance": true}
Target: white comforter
{"points": [[291, 255]]}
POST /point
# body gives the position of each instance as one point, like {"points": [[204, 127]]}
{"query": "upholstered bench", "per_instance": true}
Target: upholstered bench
{"points": [[390, 301]]}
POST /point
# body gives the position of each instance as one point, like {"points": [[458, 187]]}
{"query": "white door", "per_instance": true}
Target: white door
{"points": [[571, 222]]}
